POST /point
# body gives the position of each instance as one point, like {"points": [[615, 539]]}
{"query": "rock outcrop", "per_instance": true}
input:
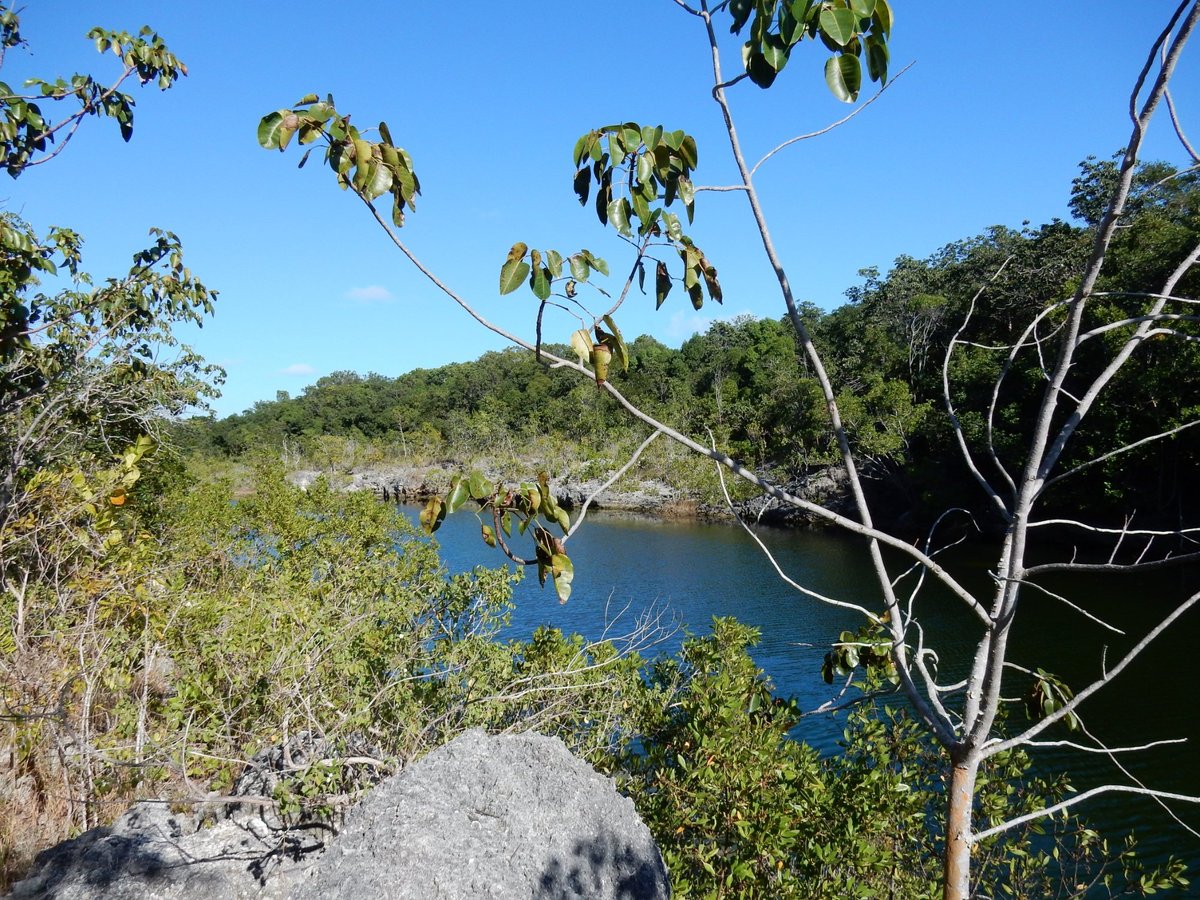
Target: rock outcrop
{"points": [[514, 816], [509, 816]]}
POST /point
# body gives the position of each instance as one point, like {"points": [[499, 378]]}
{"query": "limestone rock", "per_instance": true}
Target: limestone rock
{"points": [[512, 816]]}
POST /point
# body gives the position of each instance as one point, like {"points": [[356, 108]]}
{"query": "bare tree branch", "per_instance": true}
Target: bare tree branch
{"points": [[828, 128]]}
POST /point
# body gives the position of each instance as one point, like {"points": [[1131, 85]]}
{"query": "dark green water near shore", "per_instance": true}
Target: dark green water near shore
{"points": [[696, 571]]}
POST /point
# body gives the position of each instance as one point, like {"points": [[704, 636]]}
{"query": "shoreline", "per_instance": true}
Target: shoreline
{"points": [[649, 498]]}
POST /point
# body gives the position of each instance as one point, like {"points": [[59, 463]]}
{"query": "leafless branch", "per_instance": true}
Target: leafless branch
{"points": [[1117, 452], [1079, 798], [611, 481], [993, 747], [828, 128], [955, 424], [790, 582]]}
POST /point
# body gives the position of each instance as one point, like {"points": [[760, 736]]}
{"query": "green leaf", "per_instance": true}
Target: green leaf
{"points": [[882, 19], [843, 75], [641, 209], [689, 151], [479, 486], [775, 52], [579, 266], [459, 494], [877, 58], [645, 170], [432, 515], [760, 71], [674, 229], [864, 9], [581, 147], [563, 572], [596, 263], [687, 193], [615, 149], [651, 136], [554, 263], [270, 130], [583, 184], [539, 282], [618, 216], [839, 25], [512, 274], [662, 283]]}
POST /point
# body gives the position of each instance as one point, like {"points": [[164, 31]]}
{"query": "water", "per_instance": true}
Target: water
{"points": [[698, 570]]}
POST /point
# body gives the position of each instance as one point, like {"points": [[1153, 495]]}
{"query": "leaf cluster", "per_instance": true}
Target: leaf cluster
{"points": [[372, 168], [851, 29]]}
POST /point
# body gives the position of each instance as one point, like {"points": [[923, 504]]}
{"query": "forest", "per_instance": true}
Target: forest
{"points": [[744, 380]]}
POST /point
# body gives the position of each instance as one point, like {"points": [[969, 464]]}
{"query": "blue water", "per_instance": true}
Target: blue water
{"points": [[687, 572]]}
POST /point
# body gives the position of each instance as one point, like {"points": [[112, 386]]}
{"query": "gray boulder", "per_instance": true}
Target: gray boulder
{"points": [[513, 816], [151, 853]]}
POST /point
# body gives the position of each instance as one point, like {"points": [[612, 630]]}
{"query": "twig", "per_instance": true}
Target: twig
{"points": [[611, 481]]}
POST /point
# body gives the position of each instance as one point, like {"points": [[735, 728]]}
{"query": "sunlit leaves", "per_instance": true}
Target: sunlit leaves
{"points": [[26, 131], [542, 269], [869, 647], [845, 27], [372, 168], [515, 270], [531, 506], [640, 171], [839, 25], [843, 75], [1046, 695], [651, 162]]}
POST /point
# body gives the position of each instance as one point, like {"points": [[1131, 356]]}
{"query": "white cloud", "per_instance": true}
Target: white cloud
{"points": [[298, 369], [683, 325], [372, 293]]}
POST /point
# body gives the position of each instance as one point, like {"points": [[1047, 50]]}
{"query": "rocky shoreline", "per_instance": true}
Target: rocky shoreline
{"points": [[826, 486]]}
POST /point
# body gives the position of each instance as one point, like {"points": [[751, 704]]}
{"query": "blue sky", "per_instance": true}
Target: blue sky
{"points": [[987, 128]]}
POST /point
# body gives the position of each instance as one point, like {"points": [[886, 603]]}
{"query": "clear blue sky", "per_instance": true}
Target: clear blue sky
{"points": [[986, 128]]}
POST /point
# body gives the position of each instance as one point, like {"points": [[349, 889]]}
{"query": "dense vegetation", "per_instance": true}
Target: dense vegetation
{"points": [[157, 632], [745, 381]]}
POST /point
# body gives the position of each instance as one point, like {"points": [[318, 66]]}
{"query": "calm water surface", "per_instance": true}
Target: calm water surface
{"points": [[697, 571]]}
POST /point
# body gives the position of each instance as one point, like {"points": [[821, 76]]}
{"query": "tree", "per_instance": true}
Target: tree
{"points": [[1076, 345], [88, 373]]}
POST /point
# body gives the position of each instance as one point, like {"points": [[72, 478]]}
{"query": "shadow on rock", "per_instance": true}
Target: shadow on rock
{"points": [[604, 866]]}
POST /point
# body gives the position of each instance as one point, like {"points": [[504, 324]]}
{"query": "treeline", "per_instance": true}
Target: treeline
{"points": [[745, 381]]}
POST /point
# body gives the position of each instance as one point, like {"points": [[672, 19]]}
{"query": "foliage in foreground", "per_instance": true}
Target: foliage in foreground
{"points": [[162, 663], [742, 808], [156, 667]]}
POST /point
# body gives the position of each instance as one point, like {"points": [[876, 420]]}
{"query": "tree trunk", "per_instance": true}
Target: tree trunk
{"points": [[956, 882]]}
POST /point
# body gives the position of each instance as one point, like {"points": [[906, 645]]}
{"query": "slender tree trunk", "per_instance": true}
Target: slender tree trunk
{"points": [[959, 801]]}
